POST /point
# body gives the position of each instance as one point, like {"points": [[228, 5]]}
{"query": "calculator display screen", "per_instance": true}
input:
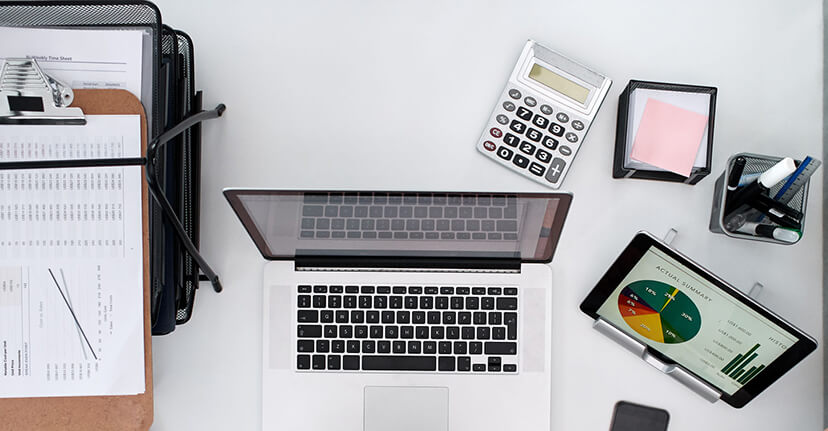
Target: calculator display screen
{"points": [[559, 83]]}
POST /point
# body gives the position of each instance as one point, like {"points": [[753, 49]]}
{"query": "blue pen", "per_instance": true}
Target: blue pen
{"points": [[792, 178]]}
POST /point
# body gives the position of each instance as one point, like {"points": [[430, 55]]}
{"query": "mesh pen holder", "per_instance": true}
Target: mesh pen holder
{"points": [[755, 164]]}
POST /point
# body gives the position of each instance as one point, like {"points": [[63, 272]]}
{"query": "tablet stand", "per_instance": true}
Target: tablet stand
{"points": [[677, 372]]}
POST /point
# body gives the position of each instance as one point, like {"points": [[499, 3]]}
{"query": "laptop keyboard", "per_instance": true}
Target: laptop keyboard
{"points": [[409, 216], [407, 328]]}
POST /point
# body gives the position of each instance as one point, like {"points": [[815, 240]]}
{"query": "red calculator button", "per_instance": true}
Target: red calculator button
{"points": [[489, 145], [496, 132]]}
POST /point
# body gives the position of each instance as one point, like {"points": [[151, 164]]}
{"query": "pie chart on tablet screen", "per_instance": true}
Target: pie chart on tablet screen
{"points": [[659, 311]]}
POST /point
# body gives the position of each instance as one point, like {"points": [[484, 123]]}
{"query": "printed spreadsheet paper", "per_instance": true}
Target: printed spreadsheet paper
{"points": [[71, 263]]}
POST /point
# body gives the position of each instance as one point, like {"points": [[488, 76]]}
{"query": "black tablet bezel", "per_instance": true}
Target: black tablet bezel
{"points": [[633, 253]]}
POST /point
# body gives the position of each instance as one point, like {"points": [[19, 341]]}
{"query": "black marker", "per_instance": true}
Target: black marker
{"points": [[770, 231], [736, 173]]}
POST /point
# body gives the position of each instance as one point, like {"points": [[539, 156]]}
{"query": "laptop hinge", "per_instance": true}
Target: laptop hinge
{"points": [[406, 264]]}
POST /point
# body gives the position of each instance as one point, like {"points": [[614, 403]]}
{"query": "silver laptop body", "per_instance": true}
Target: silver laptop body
{"points": [[405, 311]]}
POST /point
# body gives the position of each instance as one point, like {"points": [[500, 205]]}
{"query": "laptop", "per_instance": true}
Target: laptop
{"points": [[405, 310]]}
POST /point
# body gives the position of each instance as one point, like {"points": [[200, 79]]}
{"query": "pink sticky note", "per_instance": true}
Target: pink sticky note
{"points": [[668, 137]]}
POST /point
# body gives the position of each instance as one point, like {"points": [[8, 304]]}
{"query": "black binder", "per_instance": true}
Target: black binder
{"points": [[174, 270]]}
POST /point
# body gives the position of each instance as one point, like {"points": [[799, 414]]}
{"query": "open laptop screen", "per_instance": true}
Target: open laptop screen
{"points": [[287, 223]]}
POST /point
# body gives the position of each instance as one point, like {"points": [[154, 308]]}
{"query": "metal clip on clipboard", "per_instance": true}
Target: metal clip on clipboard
{"points": [[30, 97]]}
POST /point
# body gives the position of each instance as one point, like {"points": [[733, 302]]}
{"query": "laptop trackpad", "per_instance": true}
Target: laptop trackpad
{"points": [[406, 408]]}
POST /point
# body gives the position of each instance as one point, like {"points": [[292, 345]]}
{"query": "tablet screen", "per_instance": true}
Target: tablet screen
{"points": [[682, 315]]}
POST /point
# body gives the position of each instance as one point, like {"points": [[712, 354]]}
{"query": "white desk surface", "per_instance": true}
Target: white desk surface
{"points": [[393, 95]]}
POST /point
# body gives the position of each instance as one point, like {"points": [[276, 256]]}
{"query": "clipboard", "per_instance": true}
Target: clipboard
{"points": [[129, 412]]}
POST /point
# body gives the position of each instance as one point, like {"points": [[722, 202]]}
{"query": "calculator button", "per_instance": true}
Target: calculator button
{"points": [[502, 119], [543, 156], [550, 142], [521, 161], [530, 101], [566, 151], [509, 106], [489, 145], [571, 137], [516, 126], [563, 118], [527, 148], [537, 169], [546, 109], [556, 129], [511, 140], [514, 94], [496, 132], [577, 125], [504, 153], [555, 170], [540, 121], [524, 114], [534, 134]]}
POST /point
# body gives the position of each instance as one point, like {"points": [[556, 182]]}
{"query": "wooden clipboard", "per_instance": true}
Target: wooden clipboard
{"points": [[129, 412]]}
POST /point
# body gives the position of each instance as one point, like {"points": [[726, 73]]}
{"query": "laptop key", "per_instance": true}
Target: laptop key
{"points": [[368, 346], [334, 362], [414, 347], [399, 363], [475, 348], [463, 363], [498, 333], [351, 289], [433, 317], [350, 362], [500, 348], [479, 318], [352, 346], [304, 346], [318, 362], [429, 347], [384, 347], [376, 331], [511, 325], [326, 316], [372, 316], [360, 331], [479, 367], [444, 347], [309, 331], [303, 301], [323, 346], [330, 331], [387, 317], [319, 301], [507, 303], [334, 301], [350, 301], [509, 368], [399, 346], [446, 363], [303, 362], [357, 316], [391, 332], [396, 302], [341, 316], [304, 289], [307, 316], [338, 346]]}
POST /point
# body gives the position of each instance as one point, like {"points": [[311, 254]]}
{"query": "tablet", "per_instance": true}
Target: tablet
{"points": [[689, 317]]}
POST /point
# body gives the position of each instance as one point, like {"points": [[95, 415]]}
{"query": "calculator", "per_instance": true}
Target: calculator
{"points": [[543, 115]]}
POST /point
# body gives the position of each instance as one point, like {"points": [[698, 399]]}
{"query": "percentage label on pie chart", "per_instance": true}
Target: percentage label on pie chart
{"points": [[659, 311]]}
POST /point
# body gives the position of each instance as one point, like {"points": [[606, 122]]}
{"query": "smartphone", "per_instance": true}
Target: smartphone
{"points": [[635, 417]]}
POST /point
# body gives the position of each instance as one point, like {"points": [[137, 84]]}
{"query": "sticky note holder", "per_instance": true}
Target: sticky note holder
{"points": [[623, 167]]}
